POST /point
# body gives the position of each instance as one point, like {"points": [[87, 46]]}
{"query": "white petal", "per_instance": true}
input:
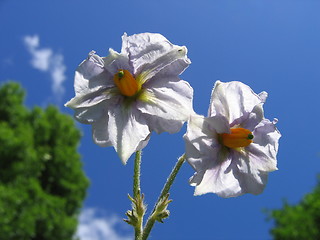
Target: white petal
{"points": [[143, 143], [127, 131], [149, 53], [115, 61], [100, 132], [90, 98], [203, 150], [218, 124], [260, 159], [231, 176], [91, 75], [266, 139], [196, 136], [169, 105], [253, 183], [220, 179], [254, 118], [233, 100], [202, 135], [92, 83], [88, 115], [251, 179]]}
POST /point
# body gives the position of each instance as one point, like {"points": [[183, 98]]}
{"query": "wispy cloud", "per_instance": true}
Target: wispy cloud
{"points": [[94, 227], [46, 60]]}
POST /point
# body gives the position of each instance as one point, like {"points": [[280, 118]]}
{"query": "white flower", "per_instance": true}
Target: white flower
{"points": [[233, 149], [127, 95]]}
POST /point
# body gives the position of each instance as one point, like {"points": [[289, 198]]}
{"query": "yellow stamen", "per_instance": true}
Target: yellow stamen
{"points": [[239, 137], [126, 83]]}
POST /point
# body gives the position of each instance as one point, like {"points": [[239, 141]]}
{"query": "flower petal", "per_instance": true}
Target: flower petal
{"points": [[100, 132], [254, 118], [115, 61], [206, 155], [220, 179], [88, 115], [201, 143], [266, 141], [233, 100], [231, 176], [202, 133], [261, 159], [91, 75], [250, 178], [92, 83], [125, 129], [90, 98], [168, 106], [149, 53]]}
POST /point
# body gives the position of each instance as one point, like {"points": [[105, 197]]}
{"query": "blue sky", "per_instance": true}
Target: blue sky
{"points": [[270, 45]]}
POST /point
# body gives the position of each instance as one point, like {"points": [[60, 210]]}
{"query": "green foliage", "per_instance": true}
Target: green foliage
{"points": [[42, 184], [301, 221]]}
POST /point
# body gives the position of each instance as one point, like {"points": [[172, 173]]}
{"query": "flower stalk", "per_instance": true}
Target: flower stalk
{"points": [[136, 175], [137, 196], [135, 216], [160, 210]]}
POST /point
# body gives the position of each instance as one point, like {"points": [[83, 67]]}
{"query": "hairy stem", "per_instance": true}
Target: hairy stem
{"points": [[136, 174], [164, 192], [136, 192]]}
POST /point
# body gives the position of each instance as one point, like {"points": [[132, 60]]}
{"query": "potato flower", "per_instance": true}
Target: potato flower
{"points": [[235, 147], [127, 95]]}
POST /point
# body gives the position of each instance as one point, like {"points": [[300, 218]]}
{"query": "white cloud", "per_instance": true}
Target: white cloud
{"points": [[32, 41], [44, 59], [94, 227]]}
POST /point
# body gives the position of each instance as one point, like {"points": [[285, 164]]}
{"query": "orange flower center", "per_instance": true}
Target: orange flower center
{"points": [[126, 83], [239, 137]]}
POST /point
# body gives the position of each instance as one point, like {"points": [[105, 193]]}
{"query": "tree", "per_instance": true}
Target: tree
{"points": [[42, 184], [300, 221]]}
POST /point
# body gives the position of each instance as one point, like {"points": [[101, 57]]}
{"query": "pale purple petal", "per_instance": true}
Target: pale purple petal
{"points": [[150, 53], [253, 182], [88, 115], [233, 100], [263, 96], [220, 180], [116, 61], [251, 179], [101, 135], [254, 118], [100, 132], [218, 124], [126, 130], [168, 105], [231, 176], [91, 75], [266, 138], [143, 143], [89, 99], [92, 83], [260, 158], [201, 143]]}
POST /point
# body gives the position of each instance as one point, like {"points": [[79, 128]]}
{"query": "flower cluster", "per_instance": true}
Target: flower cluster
{"points": [[128, 95]]}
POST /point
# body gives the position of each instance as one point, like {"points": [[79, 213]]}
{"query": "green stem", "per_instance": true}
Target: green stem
{"points": [[136, 176], [164, 192], [136, 192]]}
